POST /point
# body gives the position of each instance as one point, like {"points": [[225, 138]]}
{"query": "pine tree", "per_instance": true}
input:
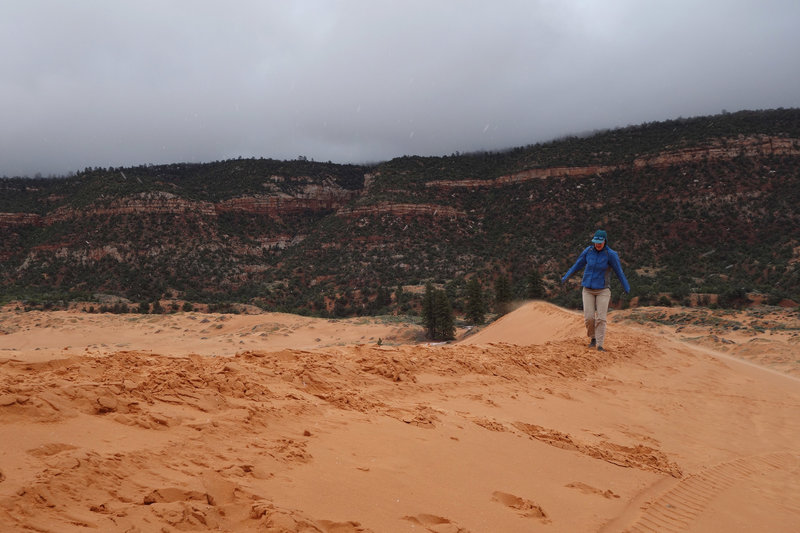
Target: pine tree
{"points": [[502, 294], [438, 318], [453, 288], [535, 286], [340, 307], [384, 298], [475, 304], [428, 315], [445, 320], [399, 298]]}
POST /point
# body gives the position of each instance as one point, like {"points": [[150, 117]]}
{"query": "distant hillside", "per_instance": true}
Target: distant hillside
{"points": [[699, 209]]}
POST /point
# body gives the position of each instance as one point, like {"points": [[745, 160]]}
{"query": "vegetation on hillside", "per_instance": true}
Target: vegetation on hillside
{"points": [[707, 232]]}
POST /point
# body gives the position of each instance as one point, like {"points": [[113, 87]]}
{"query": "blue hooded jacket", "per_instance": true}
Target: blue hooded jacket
{"points": [[597, 273]]}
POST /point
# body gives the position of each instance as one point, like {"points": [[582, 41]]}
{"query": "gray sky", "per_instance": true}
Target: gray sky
{"points": [[119, 83]]}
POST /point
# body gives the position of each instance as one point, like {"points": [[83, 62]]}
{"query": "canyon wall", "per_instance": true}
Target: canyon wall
{"points": [[721, 149]]}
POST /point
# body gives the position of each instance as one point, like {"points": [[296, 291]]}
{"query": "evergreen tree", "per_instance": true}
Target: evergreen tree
{"points": [[453, 288], [475, 304], [502, 294], [340, 307], [428, 315], [384, 298], [535, 286], [445, 328], [438, 318], [399, 297]]}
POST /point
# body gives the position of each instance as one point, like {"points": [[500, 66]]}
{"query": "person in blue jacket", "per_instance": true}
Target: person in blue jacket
{"points": [[597, 261]]}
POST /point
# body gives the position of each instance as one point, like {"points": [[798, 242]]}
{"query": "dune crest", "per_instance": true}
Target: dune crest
{"points": [[534, 322]]}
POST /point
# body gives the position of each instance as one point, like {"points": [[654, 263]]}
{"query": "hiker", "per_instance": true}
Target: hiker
{"points": [[599, 260]]}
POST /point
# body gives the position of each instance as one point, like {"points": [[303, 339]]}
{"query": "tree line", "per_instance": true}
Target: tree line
{"points": [[438, 316]]}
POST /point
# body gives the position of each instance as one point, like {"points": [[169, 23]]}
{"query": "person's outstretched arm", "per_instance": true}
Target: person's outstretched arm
{"points": [[617, 266], [579, 264]]}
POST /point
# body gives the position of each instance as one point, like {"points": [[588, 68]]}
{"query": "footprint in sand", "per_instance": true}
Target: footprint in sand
{"points": [[218, 491], [490, 424], [524, 507], [174, 494], [52, 448], [588, 489], [436, 524], [341, 527]]}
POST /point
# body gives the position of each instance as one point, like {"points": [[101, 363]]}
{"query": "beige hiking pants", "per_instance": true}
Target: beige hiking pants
{"points": [[595, 310]]}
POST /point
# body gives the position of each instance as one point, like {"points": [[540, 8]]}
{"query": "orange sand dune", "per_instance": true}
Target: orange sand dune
{"points": [[41, 336], [520, 428], [532, 323]]}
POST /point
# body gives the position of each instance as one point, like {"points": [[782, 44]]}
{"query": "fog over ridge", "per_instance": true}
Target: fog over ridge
{"points": [[92, 83]]}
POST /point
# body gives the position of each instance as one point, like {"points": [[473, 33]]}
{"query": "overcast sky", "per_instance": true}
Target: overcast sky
{"points": [[120, 83]]}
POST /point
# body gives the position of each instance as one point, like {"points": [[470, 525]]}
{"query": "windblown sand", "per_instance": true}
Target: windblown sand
{"points": [[279, 423]]}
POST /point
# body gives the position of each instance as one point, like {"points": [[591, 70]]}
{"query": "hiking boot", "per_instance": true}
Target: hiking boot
{"points": [[600, 349], [593, 343]]}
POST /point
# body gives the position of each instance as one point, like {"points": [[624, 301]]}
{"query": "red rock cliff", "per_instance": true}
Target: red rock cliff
{"points": [[721, 149], [402, 210]]}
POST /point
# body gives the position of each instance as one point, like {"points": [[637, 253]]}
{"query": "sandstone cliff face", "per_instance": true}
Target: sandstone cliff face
{"points": [[150, 202], [402, 210], [89, 256], [525, 175], [313, 199], [722, 149], [9, 220], [310, 198]]}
